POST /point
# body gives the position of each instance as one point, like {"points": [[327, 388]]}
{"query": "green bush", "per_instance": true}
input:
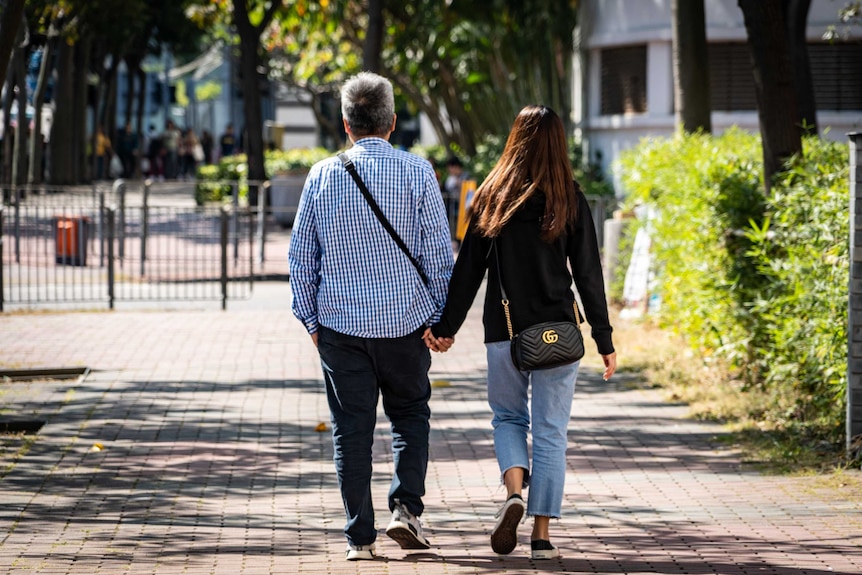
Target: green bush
{"points": [[687, 179], [293, 160], [215, 182], [802, 248], [758, 281], [209, 186]]}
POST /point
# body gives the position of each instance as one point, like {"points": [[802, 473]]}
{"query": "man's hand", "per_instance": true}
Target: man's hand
{"points": [[314, 339], [438, 344]]}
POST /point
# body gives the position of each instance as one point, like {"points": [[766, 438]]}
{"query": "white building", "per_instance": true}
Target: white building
{"points": [[624, 73]]}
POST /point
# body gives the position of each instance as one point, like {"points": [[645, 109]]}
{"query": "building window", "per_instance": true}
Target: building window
{"points": [[836, 72], [624, 80], [731, 83]]}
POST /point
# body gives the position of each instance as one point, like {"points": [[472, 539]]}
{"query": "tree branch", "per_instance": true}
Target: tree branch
{"points": [[268, 16]]}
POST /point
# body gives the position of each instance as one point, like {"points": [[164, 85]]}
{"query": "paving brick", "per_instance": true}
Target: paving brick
{"points": [[191, 448]]}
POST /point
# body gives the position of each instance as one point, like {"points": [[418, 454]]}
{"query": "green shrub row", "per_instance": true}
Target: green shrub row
{"points": [[215, 182], [754, 279]]}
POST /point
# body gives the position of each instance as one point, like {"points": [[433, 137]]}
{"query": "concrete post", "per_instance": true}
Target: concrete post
{"points": [[854, 328]]}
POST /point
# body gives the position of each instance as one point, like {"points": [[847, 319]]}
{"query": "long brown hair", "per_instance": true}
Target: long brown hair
{"points": [[535, 159]]}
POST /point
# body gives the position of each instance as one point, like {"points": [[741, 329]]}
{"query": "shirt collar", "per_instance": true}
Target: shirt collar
{"points": [[372, 143]]}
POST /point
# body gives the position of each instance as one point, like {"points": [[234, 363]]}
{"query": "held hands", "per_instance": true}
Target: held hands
{"points": [[442, 345], [438, 344]]}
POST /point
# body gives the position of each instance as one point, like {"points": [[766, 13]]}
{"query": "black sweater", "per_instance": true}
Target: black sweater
{"points": [[535, 275]]}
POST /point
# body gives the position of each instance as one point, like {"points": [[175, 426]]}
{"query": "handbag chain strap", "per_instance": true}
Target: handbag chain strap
{"points": [[505, 300]]}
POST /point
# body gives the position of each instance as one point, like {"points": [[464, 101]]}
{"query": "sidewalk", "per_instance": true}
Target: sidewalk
{"points": [[191, 448]]}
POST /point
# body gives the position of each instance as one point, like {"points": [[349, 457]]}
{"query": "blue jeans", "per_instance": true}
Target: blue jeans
{"points": [[552, 391], [356, 370]]}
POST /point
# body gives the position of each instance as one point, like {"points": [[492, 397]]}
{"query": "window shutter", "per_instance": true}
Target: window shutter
{"points": [[624, 80]]}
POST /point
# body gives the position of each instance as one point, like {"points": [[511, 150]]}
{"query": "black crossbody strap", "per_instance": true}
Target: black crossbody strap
{"points": [[351, 169]]}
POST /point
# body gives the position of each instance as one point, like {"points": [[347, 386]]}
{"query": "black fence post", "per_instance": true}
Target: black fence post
{"points": [[261, 222], [16, 193], [223, 238], [251, 249], [110, 214], [854, 313], [120, 190], [101, 226], [2, 238], [145, 216], [234, 221]]}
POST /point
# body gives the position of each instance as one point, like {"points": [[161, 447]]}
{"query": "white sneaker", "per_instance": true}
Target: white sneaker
{"points": [[504, 537], [543, 549], [360, 552], [406, 529]]}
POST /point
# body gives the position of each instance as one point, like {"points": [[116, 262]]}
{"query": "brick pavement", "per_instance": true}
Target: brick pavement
{"points": [[191, 448]]}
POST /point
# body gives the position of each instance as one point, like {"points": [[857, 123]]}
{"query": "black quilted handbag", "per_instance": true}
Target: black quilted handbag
{"points": [[543, 345], [546, 345]]}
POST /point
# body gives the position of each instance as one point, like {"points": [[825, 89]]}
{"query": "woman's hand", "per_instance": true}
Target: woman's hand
{"points": [[610, 361], [438, 344]]}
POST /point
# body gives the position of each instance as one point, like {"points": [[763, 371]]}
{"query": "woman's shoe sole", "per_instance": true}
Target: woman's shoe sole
{"points": [[504, 537]]}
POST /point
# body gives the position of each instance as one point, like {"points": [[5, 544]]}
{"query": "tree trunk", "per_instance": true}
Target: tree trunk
{"points": [[19, 161], [252, 132], [132, 65], [796, 17], [142, 99], [774, 85], [99, 105], [36, 141], [564, 54], [9, 91], [373, 37], [61, 148], [332, 129], [430, 109], [253, 110], [10, 21], [690, 66], [82, 58], [109, 109]]}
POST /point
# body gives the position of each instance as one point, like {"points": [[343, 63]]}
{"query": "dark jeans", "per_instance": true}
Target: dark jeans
{"points": [[356, 370]]}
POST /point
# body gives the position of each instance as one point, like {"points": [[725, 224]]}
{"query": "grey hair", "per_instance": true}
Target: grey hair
{"points": [[368, 104]]}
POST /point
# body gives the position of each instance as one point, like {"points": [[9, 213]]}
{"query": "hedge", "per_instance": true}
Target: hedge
{"points": [[757, 280]]}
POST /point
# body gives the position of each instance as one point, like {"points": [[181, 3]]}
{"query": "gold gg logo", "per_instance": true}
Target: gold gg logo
{"points": [[550, 337]]}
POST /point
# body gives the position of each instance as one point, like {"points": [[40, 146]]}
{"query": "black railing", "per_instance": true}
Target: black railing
{"points": [[97, 246], [142, 242]]}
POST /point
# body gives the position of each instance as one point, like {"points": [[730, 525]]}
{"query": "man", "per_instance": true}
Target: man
{"points": [[366, 307], [452, 188], [104, 153], [227, 142], [171, 146], [127, 149]]}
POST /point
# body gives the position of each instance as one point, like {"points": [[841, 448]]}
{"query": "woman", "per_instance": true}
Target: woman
{"points": [[529, 211]]}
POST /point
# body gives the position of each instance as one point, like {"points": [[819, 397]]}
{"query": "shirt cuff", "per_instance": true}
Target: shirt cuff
{"points": [[311, 325]]}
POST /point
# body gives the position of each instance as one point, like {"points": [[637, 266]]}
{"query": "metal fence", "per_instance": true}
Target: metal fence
{"points": [[144, 242], [104, 245]]}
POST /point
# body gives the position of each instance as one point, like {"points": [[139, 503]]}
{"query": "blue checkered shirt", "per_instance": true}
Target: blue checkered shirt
{"points": [[346, 272]]}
